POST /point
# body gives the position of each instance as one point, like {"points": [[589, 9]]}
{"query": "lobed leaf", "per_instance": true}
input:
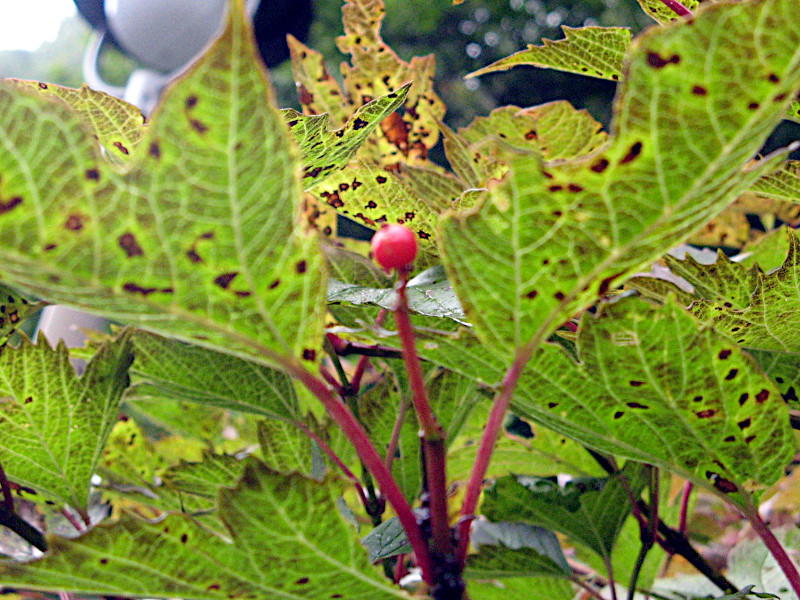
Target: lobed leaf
{"points": [[288, 524], [54, 424], [118, 125], [545, 243], [592, 51], [783, 183], [198, 240], [325, 150]]}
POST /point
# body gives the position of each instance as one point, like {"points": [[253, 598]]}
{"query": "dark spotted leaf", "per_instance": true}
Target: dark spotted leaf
{"points": [[272, 520], [318, 92], [14, 309], [546, 242], [591, 511], [326, 150], [592, 51], [118, 125], [373, 197], [54, 424], [662, 13], [199, 239], [514, 549]]}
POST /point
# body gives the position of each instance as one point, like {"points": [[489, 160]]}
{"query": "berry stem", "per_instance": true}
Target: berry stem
{"points": [[366, 451]]}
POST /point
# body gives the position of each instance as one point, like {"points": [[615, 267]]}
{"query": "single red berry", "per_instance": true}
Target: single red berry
{"points": [[394, 247]]}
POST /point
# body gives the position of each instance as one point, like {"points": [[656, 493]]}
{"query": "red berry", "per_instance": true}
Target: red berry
{"points": [[394, 247]]}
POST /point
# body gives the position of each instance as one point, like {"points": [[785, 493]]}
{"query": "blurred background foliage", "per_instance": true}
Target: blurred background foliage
{"points": [[463, 38]]}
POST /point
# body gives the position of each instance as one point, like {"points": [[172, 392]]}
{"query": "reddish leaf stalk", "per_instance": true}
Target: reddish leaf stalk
{"points": [[337, 461], [775, 548], [685, 495], [342, 416], [676, 7], [434, 448], [488, 441], [363, 362]]}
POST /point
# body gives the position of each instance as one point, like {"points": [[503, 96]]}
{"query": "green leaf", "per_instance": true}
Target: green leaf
{"points": [[386, 540], [654, 387], [273, 520], [54, 424], [782, 183], [287, 449], [187, 242], [784, 370], [521, 587], [545, 244], [662, 13], [429, 293], [319, 92], [372, 197], [765, 319], [118, 125], [590, 511], [592, 51], [325, 150], [513, 549], [14, 309], [166, 368]]}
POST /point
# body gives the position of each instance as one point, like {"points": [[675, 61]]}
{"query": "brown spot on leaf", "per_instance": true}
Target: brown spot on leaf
{"points": [[28, 400], [302, 581], [634, 383], [410, 216], [10, 205], [224, 280], [556, 188], [773, 78], [301, 267], [619, 414], [532, 294], [749, 438], [305, 96], [274, 284], [198, 126], [790, 395], [730, 438], [193, 256], [531, 135], [574, 187], [705, 414], [743, 398], [699, 90], [731, 374], [242, 293], [191, 101], [155, 150], [49, 247], [605, 285], [127, 241], [753, 105], [745, 423], [559, 296], [121, 147], [309, 354], [723, 354], [636, 405], [184, 538], [600, 165], [552, 404], [92, 174], [395, 129], [134, 288], [762, 396], [655, 60], [359, 123], [779, 98], [634, 151], [42, 85], [75, 222], [722, 484]]}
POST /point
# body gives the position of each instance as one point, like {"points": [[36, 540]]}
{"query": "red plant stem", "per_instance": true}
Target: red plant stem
{"points": [[431, 430], [676, 7], [775, 548], [73, 521], [342, 416], [8, 499], [363, 362], [488, 441], [686, 494], [432, 434], [394, 441], [331, 380], [400, 568], [337, 461]]}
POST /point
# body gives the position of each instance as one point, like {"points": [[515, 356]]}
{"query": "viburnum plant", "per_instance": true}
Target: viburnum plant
{"points": [[511, 403]]}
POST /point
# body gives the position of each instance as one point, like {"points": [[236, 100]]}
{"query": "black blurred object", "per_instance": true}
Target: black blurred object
{"points": [[273, 20]]}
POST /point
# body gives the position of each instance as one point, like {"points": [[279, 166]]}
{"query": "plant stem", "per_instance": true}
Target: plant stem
{"points": [[488, 441], [22, 528], [8, 499], [394, 441], [611, 580], [676, 7], [648, 534], [432, 434], [775, 548], [585, 586], [342, 416], [685, 495], [336, 460], [363, 362]]}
